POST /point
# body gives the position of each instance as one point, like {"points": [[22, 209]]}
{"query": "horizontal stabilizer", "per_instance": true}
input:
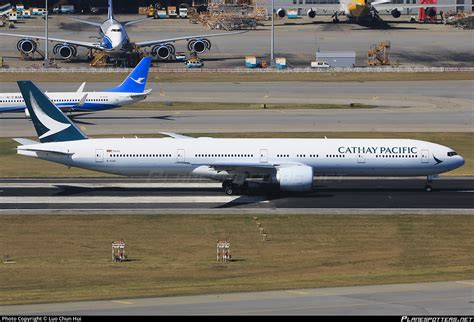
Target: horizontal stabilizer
{"points": [[24, 141], [39, 148], [176, 136]]}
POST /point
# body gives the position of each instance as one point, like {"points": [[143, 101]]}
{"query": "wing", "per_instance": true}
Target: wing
{"points": [[250, 169], [87, 22], [161, 41], [67, 41]]}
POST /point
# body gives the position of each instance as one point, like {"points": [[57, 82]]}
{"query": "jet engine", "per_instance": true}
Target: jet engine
{"points": [[281, 13], [199, 45], [311, 13], [295, 178], [163, 51], [65, 51], [26, 46], [395, 13]]}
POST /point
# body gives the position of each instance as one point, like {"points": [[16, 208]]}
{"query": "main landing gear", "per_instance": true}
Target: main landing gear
{"points": [[429, 181], [232, 188]]}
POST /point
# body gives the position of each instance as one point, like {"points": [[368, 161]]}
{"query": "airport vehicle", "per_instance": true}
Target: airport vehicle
{"points": [[361, 11], [38, 11], [115, 40], [64, 9], [194, 62], [288, 164], [131, 90], [172, 12], [319, 64], [183, 12], [180, 56]]}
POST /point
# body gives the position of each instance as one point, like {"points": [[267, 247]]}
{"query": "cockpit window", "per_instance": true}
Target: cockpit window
{"points": [[451, 153], [116, 30]]}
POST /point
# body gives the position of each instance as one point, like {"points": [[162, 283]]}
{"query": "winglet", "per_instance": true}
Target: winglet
{"points": [[81, 88]]}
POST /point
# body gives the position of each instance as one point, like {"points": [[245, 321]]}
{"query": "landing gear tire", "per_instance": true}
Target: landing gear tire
{"points": [[229, 190], [428, 188]]}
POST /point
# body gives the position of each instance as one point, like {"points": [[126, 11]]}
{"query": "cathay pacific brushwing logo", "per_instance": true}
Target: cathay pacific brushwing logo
{"points": [[438, 161], [52, 125], [138, 81]]}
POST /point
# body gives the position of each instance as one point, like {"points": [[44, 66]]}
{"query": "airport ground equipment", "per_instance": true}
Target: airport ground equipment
{"points": [[223, 250], [254, 62], [280, 63], [194, 62], [118, 251], [378, 54]]}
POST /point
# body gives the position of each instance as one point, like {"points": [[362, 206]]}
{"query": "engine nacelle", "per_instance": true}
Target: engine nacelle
{"points": [[430, 12], [163, 51], [27, 113], [395, 13], [281, 13], [65, 51], [26, 46], [199, 45], [295, 178], [311, 13]]}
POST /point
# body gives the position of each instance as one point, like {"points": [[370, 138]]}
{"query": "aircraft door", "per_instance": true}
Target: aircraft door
{"points": [[99, 155], [263, 156], [180, 157], [361, 158], [424, 156]]}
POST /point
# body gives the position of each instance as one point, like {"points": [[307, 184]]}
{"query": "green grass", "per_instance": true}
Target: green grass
{"points": [[238, 77], [13, 165], [67, 258]]}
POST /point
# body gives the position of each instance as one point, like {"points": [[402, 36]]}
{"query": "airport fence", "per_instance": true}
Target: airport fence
{"points": [[244, 70]]}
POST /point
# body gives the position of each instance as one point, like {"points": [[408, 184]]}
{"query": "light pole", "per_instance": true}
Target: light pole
{"points": [[272, 50], [46, 58]]}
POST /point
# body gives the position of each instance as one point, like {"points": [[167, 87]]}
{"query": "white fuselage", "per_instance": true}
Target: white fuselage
{"points": [[115, 39], [68, 101], [351, 157]]}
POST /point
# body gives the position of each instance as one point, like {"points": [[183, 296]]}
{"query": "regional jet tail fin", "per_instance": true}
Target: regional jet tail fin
{"points": [[136, 81], [50, 123]]}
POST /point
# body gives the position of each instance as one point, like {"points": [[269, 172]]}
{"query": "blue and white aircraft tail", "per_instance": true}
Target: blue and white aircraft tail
{"points": [[136, 80], [131, 90]]}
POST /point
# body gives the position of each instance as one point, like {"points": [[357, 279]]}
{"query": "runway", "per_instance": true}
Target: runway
{"points": [[439, 298], [237, 121], [435, 94], [330, 195]]}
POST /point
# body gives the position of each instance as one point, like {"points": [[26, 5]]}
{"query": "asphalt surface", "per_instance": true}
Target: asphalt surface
{"points": [[153, 121], [297, 40], [440, 298], [434, 94], [337, 194]]}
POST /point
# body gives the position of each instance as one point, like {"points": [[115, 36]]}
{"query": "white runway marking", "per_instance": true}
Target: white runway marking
{"points": [[131, 200]]}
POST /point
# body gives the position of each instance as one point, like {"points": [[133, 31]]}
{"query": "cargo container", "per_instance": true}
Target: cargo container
{"points": [[172, 13], [161, 13], [38, 11], [250, 61], [280, 63], [292, 13]]}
